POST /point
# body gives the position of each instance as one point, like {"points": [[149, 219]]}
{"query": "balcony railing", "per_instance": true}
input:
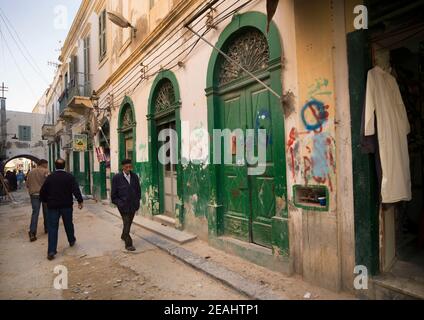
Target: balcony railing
{"points": [[79, 87]]}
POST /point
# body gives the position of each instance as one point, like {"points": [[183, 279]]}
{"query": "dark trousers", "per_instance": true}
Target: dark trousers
{"points": [[127, 219], [53, 217], [36, 205]]}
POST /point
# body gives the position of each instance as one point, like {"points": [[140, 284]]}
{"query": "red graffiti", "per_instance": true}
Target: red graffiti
{"points": [[307, 168], [293, 136], [290, 143], [330, 155]]}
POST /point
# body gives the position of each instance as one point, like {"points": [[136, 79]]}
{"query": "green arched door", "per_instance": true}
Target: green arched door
{"points": [[127, 132], [244, 104]]}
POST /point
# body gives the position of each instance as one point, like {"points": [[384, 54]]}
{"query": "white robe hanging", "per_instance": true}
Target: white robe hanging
{"points": [[383, 100]]}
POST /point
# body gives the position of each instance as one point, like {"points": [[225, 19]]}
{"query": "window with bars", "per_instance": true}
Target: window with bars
{"points": [[102, 35], [24, 133]]}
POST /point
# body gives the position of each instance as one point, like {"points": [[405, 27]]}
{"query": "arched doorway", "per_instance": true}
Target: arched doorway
{"points": [[127, 131], [24, 156], [252, 208], [104, 166], [164, 118], [20, 166]]}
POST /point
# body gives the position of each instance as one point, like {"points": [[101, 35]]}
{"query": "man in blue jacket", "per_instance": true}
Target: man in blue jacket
{"points": [[58, 192], [126, 195]]}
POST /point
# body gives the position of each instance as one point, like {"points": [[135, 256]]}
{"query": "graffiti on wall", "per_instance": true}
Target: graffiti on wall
{"points": [[311, 149]]}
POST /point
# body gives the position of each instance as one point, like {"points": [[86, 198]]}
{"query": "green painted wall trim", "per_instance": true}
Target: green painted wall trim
{"points": [[102, 181], [96, 186], [249, 19], [366, 206], [240, 22], [87, 175], [127, 103]]}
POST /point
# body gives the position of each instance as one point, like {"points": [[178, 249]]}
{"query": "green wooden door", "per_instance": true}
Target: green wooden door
{"points": [[235, 182], [76, 164], [262, 186], [249, 200]]}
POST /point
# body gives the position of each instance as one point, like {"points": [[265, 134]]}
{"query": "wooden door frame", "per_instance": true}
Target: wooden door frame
{"points": [[127, 103], [365, 190], [175, 113], [280, 228]]}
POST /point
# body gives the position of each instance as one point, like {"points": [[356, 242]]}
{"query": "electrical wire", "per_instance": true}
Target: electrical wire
{"points": [[21, 46], [16, 63], [192, 48], [117, 93], [33, 64], [163, 42]]}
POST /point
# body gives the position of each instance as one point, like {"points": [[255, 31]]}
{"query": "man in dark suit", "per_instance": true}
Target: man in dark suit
{"points": [[58, 191], [126, 195]]}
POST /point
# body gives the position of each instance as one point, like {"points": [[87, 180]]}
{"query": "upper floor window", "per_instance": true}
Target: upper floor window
{"points": [[24, 133], [102, 35], [87, 82], [152, 3]]}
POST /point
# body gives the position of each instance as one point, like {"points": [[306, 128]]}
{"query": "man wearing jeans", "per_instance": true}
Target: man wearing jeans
{"points": [[58, 192], [35, 180], [126, 195]]}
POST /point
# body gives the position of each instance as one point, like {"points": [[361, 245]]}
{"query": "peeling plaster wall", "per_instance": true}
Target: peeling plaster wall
{"points": [[320, 242], [36, 147], [312, 144]]}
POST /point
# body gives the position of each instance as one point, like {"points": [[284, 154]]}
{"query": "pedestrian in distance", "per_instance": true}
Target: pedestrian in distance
{"points": [[20, 178], [35, 181], [14, 182], [58, 191], [126, 195]]}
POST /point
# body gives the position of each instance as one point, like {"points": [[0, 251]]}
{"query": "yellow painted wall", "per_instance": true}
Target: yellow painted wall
{"points": [[317, 151]]}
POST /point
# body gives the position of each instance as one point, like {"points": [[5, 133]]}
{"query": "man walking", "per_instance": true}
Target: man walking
{"points": [[58, 192], [126, 195], [35, 180]]}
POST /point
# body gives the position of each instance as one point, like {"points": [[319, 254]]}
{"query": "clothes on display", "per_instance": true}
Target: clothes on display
{"points": [[384, 109]]}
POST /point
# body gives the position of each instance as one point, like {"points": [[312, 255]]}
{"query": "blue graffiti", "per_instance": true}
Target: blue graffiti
{"points": [[264, 116], [319, 112]]}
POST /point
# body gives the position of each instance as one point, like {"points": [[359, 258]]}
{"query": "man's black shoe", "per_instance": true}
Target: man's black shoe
{"points": [[32, 237], [46, 231], [130, 248], [50, 256], [72, 243]]}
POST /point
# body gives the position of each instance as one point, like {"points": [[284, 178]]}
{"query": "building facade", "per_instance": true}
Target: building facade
{"points": [[126, 89], [23, 138]]}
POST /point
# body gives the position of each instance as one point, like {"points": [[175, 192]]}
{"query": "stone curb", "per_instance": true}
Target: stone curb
{"points": [[230, 278]]}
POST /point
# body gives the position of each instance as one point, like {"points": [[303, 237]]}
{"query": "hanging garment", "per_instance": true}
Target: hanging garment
{"points": [[384, 101]]}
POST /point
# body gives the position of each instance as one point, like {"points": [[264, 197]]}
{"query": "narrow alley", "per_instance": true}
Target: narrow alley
{"points": [[100, 269]]}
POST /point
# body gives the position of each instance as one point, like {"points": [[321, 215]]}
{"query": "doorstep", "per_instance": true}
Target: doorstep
{"points": [[165, 220], [178, 236], [389, 287], [254, 253]]}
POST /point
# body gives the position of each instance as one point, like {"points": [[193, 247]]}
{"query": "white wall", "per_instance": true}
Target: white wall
{"points": [[36, 147]]}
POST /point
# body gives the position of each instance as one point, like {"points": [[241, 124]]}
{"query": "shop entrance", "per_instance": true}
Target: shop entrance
{"points": [[395, 43]]}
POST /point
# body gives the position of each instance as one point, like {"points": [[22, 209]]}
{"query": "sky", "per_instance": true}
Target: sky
{"points": [[39, 28]]}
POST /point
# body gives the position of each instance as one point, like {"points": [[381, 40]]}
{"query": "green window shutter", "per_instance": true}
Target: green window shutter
{"points": [[24, 133], [28, 133]]}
